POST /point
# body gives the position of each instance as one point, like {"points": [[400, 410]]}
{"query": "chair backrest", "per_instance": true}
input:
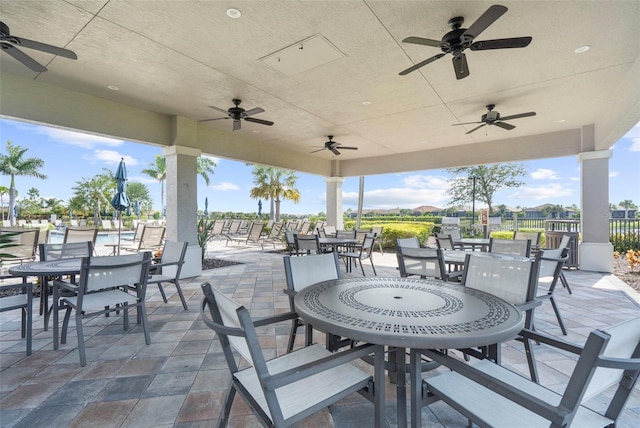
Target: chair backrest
{"points": [[512, 278], [276, 229], [551, 262], [367, 245], [269, 224], [347, 234], [301, 272], [255, 231], [329, 231], [23, 243], [306, 244], [234, 226], [106, 224], [217, 227], [455, 234], [378, 231], [304, 228], [361, 233], [99, 273], [533, 236], [70, 250], [446, 243], [152, 237], [565, 241], [520, 247], [138, 232], [408, 242], [174, 252], [80, 234], [430, 264], [73, 222], [43, 236]]}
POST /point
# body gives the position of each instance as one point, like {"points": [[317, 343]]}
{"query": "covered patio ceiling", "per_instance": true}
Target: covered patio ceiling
{"points": [[170, 60]]}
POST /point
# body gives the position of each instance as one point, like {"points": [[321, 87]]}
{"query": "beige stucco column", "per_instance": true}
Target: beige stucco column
{"points": [[334, 202], [596, 251], [182, 205]]}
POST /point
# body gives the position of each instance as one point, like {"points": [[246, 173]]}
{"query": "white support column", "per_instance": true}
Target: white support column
{"points": [[334, 202], [596, 251], [182, 205]]}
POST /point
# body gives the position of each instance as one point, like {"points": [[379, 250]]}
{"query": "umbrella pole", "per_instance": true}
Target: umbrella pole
{"points": [[119, 229]]}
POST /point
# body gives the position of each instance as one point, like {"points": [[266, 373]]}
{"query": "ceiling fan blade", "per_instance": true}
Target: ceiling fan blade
{"points": [[460, 66], [220, 110], [485, 20], [236, 124], [347, 148], [319, 150], [45, 48], [514, 42], [475, 129], [254, 111], [335, 151], [518, 116], [466, 123], [425, 42], [260, 121], [215, 118], [504, 125], [23, 58], [420, 64]]}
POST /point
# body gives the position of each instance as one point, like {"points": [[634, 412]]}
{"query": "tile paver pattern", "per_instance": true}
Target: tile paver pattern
{"points": [[181, 378]]}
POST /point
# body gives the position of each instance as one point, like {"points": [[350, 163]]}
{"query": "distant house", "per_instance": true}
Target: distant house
{"points": [[547, 211], [622, 212], [427, 209]]}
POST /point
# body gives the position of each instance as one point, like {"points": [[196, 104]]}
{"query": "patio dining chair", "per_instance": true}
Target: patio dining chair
{"points": [[275, 235], [511, 278], [491, 395], [286, 389], [429, 264], [80, 234], [301, 272], [253, 235], [19, 296], [151, 239], [306, 244], [103, 288], [535, 238], [378, 231], [169, 268], [551, 263], [22, 247], [365, 252], [510, 246]]}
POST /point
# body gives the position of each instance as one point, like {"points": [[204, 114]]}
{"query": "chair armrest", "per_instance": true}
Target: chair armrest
{"points": [[65, 285], [300, 372], [290, 293], [529, 305], [531, 402], [24, 285], [274, 319], [551, 340]]}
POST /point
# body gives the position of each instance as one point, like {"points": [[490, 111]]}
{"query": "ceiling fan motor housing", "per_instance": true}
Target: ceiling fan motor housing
{"points": [[491, 116]]}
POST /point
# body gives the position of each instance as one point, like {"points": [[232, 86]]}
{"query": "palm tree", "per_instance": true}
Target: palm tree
{"points": [[158, 170], [274, 184], [12, 164], [95, 192]]}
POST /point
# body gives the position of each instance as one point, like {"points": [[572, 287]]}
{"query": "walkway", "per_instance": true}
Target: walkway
{"points": [[181, 378]]}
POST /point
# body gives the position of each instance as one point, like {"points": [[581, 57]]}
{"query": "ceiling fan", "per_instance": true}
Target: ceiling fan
{"points": [[493, 118], [334, 146], [10, 44], [459, 39], [236, 113]]}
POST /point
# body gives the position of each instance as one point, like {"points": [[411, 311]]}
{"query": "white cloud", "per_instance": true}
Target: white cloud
{"points": [[86, 141], [400, 197], [574, 178], [544, 174], [111, 157], [634, 136], [613, 174], [553, 191], [426, 181], [224, 186]]}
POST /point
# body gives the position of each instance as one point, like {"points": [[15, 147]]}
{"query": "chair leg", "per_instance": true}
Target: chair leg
{"points": [[531, 360], [226, 411], [65, 325], [558, 316], [362, 267], [292, 335], [162, 292], [564, 282], [373, 267], [29, 322], [184, 302], [143, 311], [80, 333]]}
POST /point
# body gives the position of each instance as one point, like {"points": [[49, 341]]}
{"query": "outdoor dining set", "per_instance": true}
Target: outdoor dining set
{"points": [[450, 305]]}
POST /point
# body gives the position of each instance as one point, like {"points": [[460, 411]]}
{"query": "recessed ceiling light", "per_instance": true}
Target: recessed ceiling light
{"points": [[366, 103], [582, 49], [234, 13], [113, 88], [561, 121]]}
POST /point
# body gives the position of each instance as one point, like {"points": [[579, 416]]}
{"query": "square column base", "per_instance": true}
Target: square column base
{"points": [[596, 257]]}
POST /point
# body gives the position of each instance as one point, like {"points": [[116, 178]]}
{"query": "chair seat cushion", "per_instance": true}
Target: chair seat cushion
{"points": [[304, 394], [13, 302], [497, 411], [98, 301]]}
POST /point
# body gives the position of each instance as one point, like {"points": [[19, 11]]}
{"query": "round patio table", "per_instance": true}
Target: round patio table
{"points": [[43, 270], [483, 243], [408, 313]]}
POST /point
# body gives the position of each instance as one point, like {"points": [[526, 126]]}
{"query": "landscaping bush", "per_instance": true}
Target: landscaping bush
{"points": [[393, 230]]}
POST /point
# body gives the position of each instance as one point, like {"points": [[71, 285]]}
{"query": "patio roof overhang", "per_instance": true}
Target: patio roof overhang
{"points": [[170, 62]]}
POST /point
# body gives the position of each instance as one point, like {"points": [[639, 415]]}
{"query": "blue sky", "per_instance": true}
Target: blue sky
{"points": [[71, 156]]}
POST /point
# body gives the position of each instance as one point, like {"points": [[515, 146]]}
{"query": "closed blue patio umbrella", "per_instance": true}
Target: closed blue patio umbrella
{"points": [[206, 206], [137, 209], [120, 201]]}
